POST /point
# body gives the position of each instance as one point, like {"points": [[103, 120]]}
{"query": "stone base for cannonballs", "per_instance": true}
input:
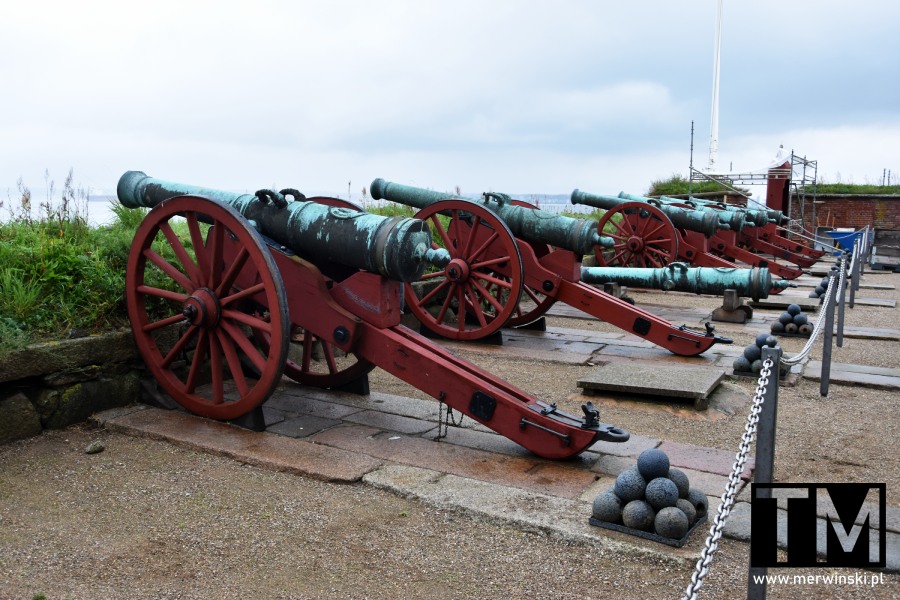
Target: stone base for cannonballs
{"points": [[647, 535]]}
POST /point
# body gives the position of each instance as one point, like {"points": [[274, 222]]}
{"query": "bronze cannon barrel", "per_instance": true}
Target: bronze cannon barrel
{"points": [[753, 283], [532, 225], [705, 222], [395, 247]]}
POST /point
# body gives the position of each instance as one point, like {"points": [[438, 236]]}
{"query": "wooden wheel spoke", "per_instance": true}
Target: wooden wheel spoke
{"points": [[233, 270], [170, 270], [475, 224], [186, 261], [149, 290], [234, 363], [660, 225], [179, 345], [490, 298], [197, 361], [179, 318], [214, 243], [476, 305], [215, 363], [531, 294], [249, 320], [250, 291], [443, 312], [328, 352], [432, 275], [489, 263], [461, 313], [500, 283], [251, 351], [307, 351], [483, 247], [427, 297], [199, 247], [443, 234]]}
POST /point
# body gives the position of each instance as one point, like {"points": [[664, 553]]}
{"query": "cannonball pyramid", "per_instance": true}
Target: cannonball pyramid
{"points": [[652, 497]]}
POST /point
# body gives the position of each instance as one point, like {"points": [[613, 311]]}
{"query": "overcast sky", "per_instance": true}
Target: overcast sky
{"points": [[505, 95]]}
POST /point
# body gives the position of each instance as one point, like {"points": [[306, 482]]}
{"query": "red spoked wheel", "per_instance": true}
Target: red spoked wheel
{"points": [[477, 292], [194, 314], [644, 237], [317, 362]]}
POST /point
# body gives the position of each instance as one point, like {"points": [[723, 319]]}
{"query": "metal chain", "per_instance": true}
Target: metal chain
{"points": [[734, 480], [821, 320], [446, 419]]}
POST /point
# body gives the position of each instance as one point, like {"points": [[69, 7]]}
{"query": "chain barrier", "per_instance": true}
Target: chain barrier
{"points": [[446, 419], [734, 481], [820, 322], [715, 533]]}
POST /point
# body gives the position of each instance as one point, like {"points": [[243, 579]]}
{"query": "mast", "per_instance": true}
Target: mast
{"points": [[714, 115]]}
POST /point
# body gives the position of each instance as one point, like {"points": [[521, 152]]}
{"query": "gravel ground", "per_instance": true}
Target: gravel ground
{"points": [[147, 520]]}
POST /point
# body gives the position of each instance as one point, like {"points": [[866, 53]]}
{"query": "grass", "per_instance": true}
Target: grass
{"points": [[853, 189], [677, 184]]}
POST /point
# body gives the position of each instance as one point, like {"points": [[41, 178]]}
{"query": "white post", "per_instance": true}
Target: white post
{"points": [[714, 115]]}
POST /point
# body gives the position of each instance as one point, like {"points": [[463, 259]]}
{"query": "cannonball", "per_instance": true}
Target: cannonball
{"points": [[681, 481], [630, 485], [688, 509], [661, 492], [741, 365], [699, 500], [756, 366], [785, 318], [762, 338], [771, 341], [794, 309], [800, 319], [777, 327], [670, 522], [819, 290], [791, 328], [825, 280], [813, 294], [607, 507], [805, 329], [637, 514], [653, 463], [752, 352]]}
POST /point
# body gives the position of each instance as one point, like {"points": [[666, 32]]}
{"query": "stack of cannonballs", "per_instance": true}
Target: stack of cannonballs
{"points": [[652, 497], [821, 288], [793, 321], [751, 360]]}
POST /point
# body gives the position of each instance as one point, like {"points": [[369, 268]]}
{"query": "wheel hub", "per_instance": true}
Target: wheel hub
{"points": [[635, 243], [457, 271], [202, 308]]}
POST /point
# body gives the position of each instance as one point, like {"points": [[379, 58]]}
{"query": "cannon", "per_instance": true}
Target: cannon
{"points": [[227, 293], [649, 232], [760, 230], [496, 261]]}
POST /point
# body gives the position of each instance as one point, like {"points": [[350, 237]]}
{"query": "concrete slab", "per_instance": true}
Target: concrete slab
{"points": [[783, 300], [862, 375], [870, 333], [879, 302], [566, 519], [276, 452], [301, 426], [682, 381]]}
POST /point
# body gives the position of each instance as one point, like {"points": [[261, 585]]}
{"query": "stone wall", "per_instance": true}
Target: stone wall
{"points": [[54, 385]]}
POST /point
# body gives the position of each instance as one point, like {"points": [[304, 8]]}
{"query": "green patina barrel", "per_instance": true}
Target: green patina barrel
{"points": [[532, 225], [752, 283], [395, 247], [705, 222]]}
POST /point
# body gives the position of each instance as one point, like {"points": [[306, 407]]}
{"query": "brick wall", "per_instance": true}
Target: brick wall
{"points": [[835, 210]]}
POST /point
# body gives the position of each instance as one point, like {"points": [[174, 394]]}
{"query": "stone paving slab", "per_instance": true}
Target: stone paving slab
{"points": [[275, 452], [532, 473], [301, 426], [844, 374], [563, 518], [685, 381], [783, 300], [708, 460], [879, 302]]}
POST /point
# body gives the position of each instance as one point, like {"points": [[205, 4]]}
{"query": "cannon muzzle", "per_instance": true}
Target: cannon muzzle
{"points": [[395, 247], [693, 220], [753, 283], [532, 225]]}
